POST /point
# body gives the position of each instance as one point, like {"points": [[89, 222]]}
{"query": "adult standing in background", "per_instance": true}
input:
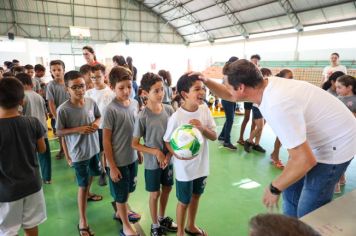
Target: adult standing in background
{"points": [[333, 67], [167, 82], [134, 73], [321, 142], [229, 109], [255, 59], [89, 55]]}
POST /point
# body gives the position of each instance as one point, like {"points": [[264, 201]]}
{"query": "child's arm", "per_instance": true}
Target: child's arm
{"points": [[52, 108], [41, 145], [115, 173], [87, 129], [208, 133], [153, 151], [96, 123], [66, 153]]}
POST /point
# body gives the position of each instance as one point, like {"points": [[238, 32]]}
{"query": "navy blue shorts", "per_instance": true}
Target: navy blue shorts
{"points": [[256, 114]]}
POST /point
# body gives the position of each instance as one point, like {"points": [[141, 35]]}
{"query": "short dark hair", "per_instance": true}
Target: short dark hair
{"points": [[24, 78], [15, 61], [283, 73], [266, 72], [243, 72], [84, 69], [57, 62], [8, 64], [256, 56], [279, 225], [148, 80], [71, 75], [120, 60], [28, 67], [185, 82], [39, 67], [336, 54], [118, 74], [333, 77], [17, 69], [11, 93], [97, 67], [8, 74]]}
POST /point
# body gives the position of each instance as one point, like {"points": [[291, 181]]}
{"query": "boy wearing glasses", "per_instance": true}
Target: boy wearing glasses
{"points": [[102, 95], [77, 121]]}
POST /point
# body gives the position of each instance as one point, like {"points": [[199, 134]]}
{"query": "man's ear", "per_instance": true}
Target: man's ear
{"points": [[184, 95], [145, 93]]}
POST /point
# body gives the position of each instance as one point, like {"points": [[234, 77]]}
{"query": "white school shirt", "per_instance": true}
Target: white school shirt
{"points": [[102, 97], [298, 111], [187, 170]]}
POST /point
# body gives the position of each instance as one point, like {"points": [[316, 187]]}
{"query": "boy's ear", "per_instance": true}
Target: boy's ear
{"points": [[184, 95], [145, 93]]}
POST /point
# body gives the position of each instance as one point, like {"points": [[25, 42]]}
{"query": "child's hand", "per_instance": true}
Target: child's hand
{"points": [[140, 157], [197, 124], [88, 129], [160, 156], [69, 161], [115, 174], [166, 161], [95, 126]]}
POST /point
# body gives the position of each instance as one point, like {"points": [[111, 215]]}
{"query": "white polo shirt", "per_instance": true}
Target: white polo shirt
{"points": [[298, 111]]}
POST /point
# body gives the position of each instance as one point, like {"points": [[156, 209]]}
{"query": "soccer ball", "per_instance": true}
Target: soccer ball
{"points": [[186, 141]]}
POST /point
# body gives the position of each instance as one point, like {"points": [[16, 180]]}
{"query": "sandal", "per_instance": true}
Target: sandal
{"points": [[201, 233], [241, 142], [123, 234], [278, 164], [94, 198], [133, 216], [85, 230]]}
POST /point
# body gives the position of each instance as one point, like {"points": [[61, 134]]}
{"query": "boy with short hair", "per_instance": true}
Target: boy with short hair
{"points": [[30, 71], [151, 124], [121, 158], [77, 121], [35, 106], [191, 174], [102, 95], [86, 72], [56, 94], [22, 201], [40, 72]]}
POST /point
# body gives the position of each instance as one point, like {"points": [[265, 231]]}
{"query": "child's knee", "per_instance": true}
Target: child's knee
{"points": [[166, 189], [155, 195]]}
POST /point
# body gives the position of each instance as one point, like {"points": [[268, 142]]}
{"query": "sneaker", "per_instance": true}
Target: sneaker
{"points": [[258, 148], [157, 231], [247, 146], [221, 139], [168, 224], [102, 179], [230, 146]]}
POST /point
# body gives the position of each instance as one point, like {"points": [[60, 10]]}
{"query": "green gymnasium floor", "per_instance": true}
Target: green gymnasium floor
{"points": [[224, 210]]}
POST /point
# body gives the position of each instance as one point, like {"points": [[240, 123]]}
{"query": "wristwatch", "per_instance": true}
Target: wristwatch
{"points": [[274, 190]]}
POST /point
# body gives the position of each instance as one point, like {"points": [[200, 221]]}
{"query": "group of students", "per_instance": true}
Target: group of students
{"points": [[104, 119]]}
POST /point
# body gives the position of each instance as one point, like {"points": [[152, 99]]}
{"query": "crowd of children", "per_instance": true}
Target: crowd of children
{"points": [[100, 127]]}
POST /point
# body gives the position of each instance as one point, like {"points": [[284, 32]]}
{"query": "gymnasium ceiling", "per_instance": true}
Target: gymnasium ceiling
{"points": [[166, 21]]}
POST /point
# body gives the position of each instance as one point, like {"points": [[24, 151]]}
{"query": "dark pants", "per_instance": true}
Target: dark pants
{"points": [[53, 124], [229, 108], [45, 162]]}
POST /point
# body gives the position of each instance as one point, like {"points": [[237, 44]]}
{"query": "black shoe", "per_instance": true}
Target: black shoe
{"points": [[230, 146], [157, 231], [102, 179], [221, 139], [168, 224], [247, 146], [258, 148]]}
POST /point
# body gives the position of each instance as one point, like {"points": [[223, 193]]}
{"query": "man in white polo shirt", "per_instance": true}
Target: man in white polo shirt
{"points": [[321, 141]]}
